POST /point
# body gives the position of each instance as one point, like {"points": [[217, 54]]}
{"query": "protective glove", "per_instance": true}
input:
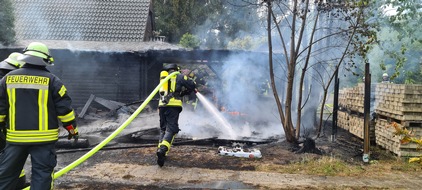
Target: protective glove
{"points": [[73, 131]]}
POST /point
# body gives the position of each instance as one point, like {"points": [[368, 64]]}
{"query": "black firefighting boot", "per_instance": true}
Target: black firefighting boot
{"points": [[164, 147], [161, 155], [22, 183]]}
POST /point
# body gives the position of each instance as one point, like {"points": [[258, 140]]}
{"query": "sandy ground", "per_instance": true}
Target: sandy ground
{"points": [[145, 176], [132, 165], [192, 167]]}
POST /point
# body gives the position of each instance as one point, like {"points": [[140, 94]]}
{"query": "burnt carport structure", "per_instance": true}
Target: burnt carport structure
{"points": [[124, 76]]}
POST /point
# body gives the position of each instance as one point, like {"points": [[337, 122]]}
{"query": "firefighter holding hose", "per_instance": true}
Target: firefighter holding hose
{"points": [[7, 65], [190, 100], [33, 103], [170, 107]]}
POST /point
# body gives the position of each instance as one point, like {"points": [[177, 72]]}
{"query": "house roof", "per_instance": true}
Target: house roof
{"points": [[100, 46], [81, 20]]}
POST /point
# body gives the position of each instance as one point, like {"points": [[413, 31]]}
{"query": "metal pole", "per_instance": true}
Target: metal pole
{"points": [[366, 108], [335, 108]]}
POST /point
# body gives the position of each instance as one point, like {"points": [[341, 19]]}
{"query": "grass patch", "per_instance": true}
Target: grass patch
{"points": [[406, 166], [331, 166], [324, 165]]}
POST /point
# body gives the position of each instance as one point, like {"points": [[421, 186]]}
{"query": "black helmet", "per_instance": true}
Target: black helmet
{"points": [[171, 66]]}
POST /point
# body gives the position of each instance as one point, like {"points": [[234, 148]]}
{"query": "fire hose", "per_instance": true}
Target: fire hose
{"points": [[112, 135]]}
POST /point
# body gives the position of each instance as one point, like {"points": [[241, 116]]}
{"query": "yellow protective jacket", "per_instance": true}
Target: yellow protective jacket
{"points": [[178, 86], [32, 102]]}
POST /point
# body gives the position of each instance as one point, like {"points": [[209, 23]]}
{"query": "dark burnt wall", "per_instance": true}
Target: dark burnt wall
{"points": [[121, 77], [124, 77]]}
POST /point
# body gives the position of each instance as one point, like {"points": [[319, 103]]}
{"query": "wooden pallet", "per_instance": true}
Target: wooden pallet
{"points": [[402, 116], [343, 120], [384, 134], [397, 103]]}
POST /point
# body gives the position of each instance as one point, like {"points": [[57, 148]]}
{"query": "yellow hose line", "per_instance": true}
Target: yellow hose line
{"points": [[113, 135]]}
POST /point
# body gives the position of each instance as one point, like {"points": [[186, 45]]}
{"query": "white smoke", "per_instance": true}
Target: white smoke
{"points": [[250, 113]]}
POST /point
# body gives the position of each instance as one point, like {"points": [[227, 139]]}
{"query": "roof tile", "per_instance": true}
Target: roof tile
{"points": [[81, 20]]}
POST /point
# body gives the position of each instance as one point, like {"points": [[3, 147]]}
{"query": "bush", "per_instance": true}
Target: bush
{"points": [[189, 41]]}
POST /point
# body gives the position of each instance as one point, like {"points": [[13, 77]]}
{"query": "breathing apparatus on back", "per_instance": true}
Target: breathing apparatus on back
{"points": [[164, 90], [168, 88], [171, 93]]}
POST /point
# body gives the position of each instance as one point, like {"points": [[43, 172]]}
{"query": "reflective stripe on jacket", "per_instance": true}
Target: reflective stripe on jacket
{"points": [[176, 85], [33, 101]]}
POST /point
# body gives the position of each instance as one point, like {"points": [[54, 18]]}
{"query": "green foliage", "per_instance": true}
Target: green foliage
{"points": [[246, 43], [232, 20], [7, 33], [189, 41], [241, 43], [364, 36], [413, 76], [399, 45], [177, 17], [216, 22], [390, 40]]}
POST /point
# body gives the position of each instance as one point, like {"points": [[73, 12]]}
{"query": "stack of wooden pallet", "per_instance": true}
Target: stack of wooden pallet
{"points": [[343, 120], [356, 125], [357, 98], [342, 113], [400, 104], [352, 98], [351, 111]]}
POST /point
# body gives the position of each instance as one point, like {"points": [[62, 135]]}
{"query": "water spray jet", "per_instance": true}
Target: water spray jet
{"points": [[220, 118]]}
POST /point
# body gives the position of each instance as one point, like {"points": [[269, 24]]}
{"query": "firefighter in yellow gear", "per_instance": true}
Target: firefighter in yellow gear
{"points": [[10, 63], [170, 107], [265, 88], [190, 100], [7, 65], [33, 103]]}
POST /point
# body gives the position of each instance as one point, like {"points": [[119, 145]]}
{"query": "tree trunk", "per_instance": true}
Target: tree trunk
{"points": [[273, 86], [302, 78]]}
